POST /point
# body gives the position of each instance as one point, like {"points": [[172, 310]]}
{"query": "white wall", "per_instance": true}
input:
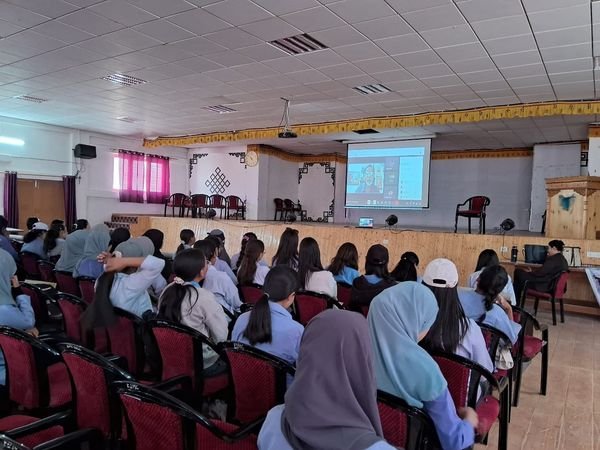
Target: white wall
{"points": [[278, 178], [550, 161], [316, 190]]}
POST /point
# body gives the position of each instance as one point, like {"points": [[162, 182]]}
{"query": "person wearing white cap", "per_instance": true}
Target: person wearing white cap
{"points": [[33, 241]]}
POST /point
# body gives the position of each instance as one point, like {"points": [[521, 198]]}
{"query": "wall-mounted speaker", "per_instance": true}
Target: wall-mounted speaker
{"points": [[84, 151]]}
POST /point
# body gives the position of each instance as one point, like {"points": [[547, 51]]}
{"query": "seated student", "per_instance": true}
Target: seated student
{"points": [[33, 241], [72, 251], [251, 271], [344, 265], [126, 282], [452, 330], [287, 250], [375, 279], [223, 252], [236, 259], [117, 236], [187, 238], [269, 326], [97, 242], [413, 258], [15, 307], [31, 221], [404, 271], [55, 240], [487, 258], [5, 243], [158, 237], [332, 403], [398, 319], [540, 279], [311, 274], [220, 264], [217, 282], [81, 224], [485, 303], [185, 302]]}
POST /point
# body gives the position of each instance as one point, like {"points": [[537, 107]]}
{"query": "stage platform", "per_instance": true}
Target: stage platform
{"points": [[462, 248]]}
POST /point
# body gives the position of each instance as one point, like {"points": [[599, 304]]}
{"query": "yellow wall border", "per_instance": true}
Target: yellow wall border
{"points": [[478, 154], [295, 157], [417, 120]]}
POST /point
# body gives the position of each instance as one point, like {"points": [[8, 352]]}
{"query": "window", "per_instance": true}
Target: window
{"points": [[139, 177]]}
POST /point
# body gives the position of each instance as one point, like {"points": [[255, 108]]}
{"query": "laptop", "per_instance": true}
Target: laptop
{"points": [[365, 222]]}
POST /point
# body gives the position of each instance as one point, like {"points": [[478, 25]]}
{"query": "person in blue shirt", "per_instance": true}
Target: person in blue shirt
{"points": [[97, 242], [399, 318], [220, 264], [269, 326], [5, 243], [33, 242], [344, 265], [15, 307]]}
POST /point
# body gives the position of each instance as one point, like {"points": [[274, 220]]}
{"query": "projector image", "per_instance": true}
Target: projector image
{"points": [[287, 134]]}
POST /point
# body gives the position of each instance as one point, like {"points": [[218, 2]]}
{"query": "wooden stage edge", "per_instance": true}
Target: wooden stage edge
{"points": [[462, 248]]}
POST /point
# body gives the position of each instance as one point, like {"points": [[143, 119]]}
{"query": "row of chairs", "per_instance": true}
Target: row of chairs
{"points": [[285, 206], [199, 205]]}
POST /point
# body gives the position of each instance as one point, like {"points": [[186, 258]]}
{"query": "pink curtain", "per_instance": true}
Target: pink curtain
{"points": [[70, 200], [11, 205], [158, 179], [132, 168]]}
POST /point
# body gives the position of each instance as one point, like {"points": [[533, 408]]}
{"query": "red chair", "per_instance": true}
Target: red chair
{"points": [[29, 261], [308, 304], [38, 303], [86, 439], [66, 283], [405, 426], [197, 204], [527, 348], [181, 427], [217, 201], [250, 293], [126, 339], [558, 287], [177, 200], [87, 288], [463, 377], [32, 431], [181, 355], [474, 207], [235, 206], [279, 208], [259, 380], [344, 293], [46, 271], [36, 377], [72, 308]]}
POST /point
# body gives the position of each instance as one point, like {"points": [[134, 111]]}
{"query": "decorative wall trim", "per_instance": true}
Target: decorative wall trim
{"points": [[194, 160], [330, 170], [241, 156], [296, 157], [417, 120], [477, 154]]}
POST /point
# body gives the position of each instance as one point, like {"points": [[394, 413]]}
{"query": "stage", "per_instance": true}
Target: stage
{"points": [[462, 248]]}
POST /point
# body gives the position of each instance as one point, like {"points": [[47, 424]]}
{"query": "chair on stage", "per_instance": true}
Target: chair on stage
{"points": [[177, 200], [235, 207], [218, 202], [291, 207], [198, 203], [474, 207], [279, 208]]}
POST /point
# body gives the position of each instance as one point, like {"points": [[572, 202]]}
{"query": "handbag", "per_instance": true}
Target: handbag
{"points": [[573, 256], [504, 359]]}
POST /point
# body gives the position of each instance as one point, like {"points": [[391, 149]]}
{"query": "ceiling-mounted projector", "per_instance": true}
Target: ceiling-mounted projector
{"points": [[287, 132]]}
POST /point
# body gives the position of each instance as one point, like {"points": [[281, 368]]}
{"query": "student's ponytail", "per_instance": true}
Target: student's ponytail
{"points": [[492, 281], [100, 313], [258, 330], [172, 298]]}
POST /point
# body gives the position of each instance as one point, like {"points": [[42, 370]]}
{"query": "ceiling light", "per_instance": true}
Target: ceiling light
{"points": [[596, 62], [372, 89], [123, 80], [301, 43], [221, 109], [12, 141], [29, 98], [126, 119]]}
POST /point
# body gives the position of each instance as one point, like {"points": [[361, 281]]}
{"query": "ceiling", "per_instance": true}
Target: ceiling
{"points": [[432, 54]]}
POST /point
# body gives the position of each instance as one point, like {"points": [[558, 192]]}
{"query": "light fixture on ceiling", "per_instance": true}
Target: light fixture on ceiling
{"points": [[596, 62], [30, 98], [123, 80], [298, 44], [287, 132], [221, 109], [372, 89], [126, 119], [12, 141]]}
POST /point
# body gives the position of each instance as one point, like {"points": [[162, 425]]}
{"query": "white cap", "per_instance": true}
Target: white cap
{"points": [[441, 272], [39, 226]]}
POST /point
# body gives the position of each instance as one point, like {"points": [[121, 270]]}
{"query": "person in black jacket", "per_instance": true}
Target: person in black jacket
{"points": [[375, 279], [540, 279]]}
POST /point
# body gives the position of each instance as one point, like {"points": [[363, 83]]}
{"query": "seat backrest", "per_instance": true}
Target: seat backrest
{"points": [[458, 378], [308, 304], [561, 285], [199, 200], [217, 201], [478, 203], [289, 204], [71, 308], [66, 283], [177, 199], [234, 202], [124, 339], [259, 380], [47, 271], [38, 303], [251, 293], [30, 264], [344, 292], [394, 423], [278, 203], [86, 287]]}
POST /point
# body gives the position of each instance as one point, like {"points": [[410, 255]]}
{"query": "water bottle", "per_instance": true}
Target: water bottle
{"points": [[514, 253]]}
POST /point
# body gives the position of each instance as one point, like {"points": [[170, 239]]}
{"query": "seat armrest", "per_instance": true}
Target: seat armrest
{"points": [[181, 382], [60, 418], [92, 436]]}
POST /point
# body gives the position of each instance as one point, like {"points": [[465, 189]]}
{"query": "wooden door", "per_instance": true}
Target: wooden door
{"points": [[40, 198]]}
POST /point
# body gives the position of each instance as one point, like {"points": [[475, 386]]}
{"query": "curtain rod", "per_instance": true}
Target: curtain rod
{"points": [[116, 150]]}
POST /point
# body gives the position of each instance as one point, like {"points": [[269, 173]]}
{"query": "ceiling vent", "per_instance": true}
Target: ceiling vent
{"points": [[366, 131], [124, 80], [29, 98], [299, 44], [221, 109], [368, 89]]}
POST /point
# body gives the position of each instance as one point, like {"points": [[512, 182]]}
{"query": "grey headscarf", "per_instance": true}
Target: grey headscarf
{"points": [[332, 402], [96, 242], [139, 247], [8, 268], [72, 251]]}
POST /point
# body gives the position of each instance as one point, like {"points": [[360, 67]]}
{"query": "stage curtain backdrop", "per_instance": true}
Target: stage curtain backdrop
{"points": [[158, 178], [70, 200], [11, 205], [132, 171]]}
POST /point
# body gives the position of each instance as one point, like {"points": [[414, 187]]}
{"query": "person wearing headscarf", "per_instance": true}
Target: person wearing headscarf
{"points": [[158, 238], [332, 403], [96, 243], [5, 243], [117, 236], [399, 317], [128, 277], [15, 307], [72, 251]]}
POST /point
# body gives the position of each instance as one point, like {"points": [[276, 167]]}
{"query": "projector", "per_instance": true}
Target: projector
{"points": [[287, 134]]}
